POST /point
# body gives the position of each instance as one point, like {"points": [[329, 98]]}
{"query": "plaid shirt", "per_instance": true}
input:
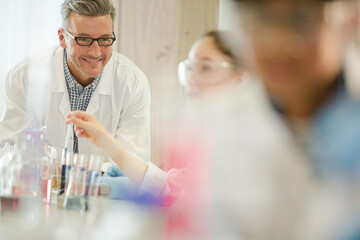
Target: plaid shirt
{"points": [[79, 96]]}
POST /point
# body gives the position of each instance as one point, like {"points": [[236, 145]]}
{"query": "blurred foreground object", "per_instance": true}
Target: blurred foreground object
{"points": [[303, 52]]}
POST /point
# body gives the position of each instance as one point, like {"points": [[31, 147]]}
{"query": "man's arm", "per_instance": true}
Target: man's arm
{"points": [[133, 130], [15, 118]]}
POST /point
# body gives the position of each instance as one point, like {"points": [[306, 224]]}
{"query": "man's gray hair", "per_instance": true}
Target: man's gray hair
{"points": [[92, 8]]}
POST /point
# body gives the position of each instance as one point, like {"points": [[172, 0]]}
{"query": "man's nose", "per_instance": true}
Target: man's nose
{"points": [[95, 49]]}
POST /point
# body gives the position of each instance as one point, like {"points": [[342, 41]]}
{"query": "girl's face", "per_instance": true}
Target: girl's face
{"points": [[207, 69]]}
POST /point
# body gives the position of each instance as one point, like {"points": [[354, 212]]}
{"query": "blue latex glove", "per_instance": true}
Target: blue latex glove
{"points": [[114, 171], [121, 187]]}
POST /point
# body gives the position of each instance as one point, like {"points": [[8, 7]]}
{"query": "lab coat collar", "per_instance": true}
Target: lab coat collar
{"points": [[58, 84]]}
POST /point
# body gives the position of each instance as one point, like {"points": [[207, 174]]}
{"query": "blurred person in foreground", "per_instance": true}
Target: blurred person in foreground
{"points": [[304, 54]]}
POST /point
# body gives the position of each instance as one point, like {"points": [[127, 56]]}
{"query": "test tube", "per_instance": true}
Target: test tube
{"points": [[63, 170], [94, 174], [90, 173], [70, 185], [76, 173], [97, 175], [64, 153], [56, 172], [69, 166], [82, 174]]}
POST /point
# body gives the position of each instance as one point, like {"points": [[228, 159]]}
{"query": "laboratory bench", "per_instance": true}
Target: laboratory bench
{"points": [[104, 219]]}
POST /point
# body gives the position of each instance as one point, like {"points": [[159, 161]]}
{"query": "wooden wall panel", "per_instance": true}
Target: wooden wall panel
{"points": [[157, 35]]}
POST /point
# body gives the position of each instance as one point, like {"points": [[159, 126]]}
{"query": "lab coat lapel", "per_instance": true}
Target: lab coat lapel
{"points": [[96, 105], [93, 106], [104, 88], [64, 105], [58, 84]]}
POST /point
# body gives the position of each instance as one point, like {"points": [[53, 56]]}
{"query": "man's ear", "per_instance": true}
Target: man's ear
{"points": [[61, 38]]}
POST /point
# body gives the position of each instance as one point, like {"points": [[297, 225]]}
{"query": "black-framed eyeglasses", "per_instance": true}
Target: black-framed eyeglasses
{"points": [[88, 41]]}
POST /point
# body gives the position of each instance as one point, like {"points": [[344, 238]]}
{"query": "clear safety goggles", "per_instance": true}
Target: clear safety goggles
{"points": [[197, 72]]}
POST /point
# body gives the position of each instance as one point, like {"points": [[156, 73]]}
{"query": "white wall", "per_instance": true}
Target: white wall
{"points": [[26, 27]]}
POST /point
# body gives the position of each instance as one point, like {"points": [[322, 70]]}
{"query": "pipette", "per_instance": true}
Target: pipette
{"points": [[67, 139]]}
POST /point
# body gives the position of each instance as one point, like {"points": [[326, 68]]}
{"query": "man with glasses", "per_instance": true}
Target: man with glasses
{"points": [[82, 74]]}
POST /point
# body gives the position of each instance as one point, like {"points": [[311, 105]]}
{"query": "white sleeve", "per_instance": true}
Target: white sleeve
{"points": [[15, 117], [159, 183], [154, 182], [133, 130]]}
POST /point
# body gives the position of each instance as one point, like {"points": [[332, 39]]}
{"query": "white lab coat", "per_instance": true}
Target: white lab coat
{"points": [[36, 94]]}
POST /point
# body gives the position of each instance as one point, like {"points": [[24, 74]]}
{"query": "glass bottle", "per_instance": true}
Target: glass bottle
{"points": [[39, 159]]}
